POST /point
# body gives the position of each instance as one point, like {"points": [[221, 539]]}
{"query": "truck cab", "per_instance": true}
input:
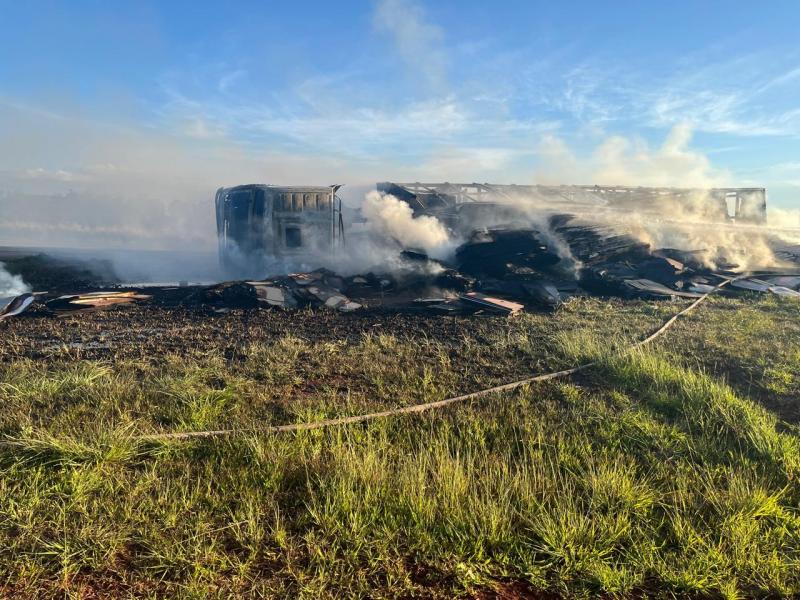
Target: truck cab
{"points": [[259, 222]]}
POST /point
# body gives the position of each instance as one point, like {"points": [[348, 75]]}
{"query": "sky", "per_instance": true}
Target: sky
{"points": [[118, 120]]}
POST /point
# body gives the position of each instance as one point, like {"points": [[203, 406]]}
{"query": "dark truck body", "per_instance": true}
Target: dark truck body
{"points": [[455, 203], [257, 221]]}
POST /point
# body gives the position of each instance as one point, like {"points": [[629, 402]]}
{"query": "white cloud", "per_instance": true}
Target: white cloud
{"points": [[419, 42], [229, 79], [198, 127], [746, 95], [793, 166], [77, 182], [449, 163], [383, 131], [40, 174]]}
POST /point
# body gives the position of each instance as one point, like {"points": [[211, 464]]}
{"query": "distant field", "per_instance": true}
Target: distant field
{"points": [[671, 471]]}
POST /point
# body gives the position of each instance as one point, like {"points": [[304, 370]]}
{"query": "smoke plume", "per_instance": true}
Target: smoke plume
{"points": [[687, 224], [11, 285], [389, 216], [785, 219], [375, 244]]}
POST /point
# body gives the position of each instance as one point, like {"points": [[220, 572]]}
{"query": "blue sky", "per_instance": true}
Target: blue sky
{"points": [[102, 96]]}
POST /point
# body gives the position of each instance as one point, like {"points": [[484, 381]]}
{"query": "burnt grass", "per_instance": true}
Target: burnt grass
{"points": [[666, 472], [482, 350], [46, 272], [746, 341]]}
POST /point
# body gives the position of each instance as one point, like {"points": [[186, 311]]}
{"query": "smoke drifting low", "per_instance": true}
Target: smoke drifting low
{"points": [[73, 183], [11, 285], [686, 224], [389, 216], [692, 223], [375, 244]]}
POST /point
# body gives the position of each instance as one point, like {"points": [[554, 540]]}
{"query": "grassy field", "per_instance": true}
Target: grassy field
{"points": [[669, 471]]}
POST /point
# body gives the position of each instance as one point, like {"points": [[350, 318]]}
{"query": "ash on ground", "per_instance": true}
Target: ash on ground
{"points": [[496, 271]]}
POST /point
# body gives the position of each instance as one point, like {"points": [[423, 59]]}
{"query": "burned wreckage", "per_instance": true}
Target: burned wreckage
{"points": [[257, 221], [459, 204], [517, 247], [504, 262]]}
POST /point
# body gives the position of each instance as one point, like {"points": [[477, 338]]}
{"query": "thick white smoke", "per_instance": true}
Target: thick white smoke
{"points": [[11, 285], [390, 216], [687, 225], [618, 160], [784, 218], [372, 245]]}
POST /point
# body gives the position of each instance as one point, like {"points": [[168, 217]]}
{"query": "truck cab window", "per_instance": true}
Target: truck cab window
{"points": [[293, 237]]}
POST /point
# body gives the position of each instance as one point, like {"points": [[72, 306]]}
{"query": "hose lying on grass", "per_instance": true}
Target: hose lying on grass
{"points": [[418, 408]]}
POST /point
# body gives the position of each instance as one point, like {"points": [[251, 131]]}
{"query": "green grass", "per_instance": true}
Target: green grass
{"points": [[652, 474]]}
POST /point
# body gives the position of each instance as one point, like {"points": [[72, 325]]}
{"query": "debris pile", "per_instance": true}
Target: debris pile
{"points": [[780, 286], [17, 306], [573, 258], [232, 294], [506, 253], [317, 288], [471, 302], [92, 301], [594, 244], [546, 269], [496, 271]]}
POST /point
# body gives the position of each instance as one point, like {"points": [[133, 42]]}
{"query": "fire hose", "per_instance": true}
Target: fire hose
{"points": [[420, 408]]}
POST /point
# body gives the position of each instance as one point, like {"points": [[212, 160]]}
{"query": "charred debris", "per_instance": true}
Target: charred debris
{"points": [[498, 269]]}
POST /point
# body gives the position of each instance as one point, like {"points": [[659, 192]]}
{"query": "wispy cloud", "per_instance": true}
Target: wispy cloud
{"points": [[747, 95], [229, 79], [61, 175], [201, 128], [736, 113], [419, 42], [474, 109], [322, 115]]}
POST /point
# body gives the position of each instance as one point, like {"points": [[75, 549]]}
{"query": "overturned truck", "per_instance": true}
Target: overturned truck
{"points": [[257, 221], [464, 204]]}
